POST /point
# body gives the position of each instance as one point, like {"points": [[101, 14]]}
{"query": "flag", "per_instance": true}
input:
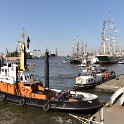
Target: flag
{"points": [[28, 41]]}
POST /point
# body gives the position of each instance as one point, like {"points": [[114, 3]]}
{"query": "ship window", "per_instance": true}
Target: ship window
{"points": [[21, 78], [2, 70], [5, 71], [90, 80], [9, 65], [25, 78], [30, 76], [27, 85]]}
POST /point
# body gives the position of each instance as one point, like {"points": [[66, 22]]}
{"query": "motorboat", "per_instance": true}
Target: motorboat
{"points": [[89, 77], [120, 62], [88, 81]]}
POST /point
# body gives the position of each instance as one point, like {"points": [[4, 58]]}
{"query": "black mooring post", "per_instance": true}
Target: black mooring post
{"points": [[47, 69], [0, 65]]}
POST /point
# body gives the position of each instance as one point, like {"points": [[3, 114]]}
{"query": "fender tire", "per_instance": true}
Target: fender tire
{"points": [[22, 102], [46, 107], [2, 97]]}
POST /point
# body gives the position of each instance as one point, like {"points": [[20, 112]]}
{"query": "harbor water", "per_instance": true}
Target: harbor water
{"points": [[62, 76]]}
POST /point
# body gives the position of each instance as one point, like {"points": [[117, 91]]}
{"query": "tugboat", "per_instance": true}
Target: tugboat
{"points": [[18, 86]]}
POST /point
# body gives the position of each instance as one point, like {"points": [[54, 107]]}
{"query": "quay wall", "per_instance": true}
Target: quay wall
{"points": [[112, 113], [112, 85]]}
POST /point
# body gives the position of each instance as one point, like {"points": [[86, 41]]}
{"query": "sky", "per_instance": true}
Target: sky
{"points": [[52, 24]]}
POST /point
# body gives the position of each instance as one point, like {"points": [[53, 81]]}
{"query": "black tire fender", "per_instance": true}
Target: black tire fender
{"points": [[22, 102], [2, 97], [46, 107]]}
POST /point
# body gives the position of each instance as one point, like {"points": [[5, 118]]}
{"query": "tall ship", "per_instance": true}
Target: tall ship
{"points": [[75, 58], [79, 52], [109, 52]]}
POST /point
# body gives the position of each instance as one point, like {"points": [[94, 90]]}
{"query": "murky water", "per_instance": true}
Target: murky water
{"points": [[62, 76]]}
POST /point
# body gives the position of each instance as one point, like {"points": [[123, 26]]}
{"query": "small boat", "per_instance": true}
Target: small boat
{"points": [[85, 82], [82, 65], [108, 75], [90, 76], [120, 62], [88, 81], [65, 61], [75, 61], [18, 86]]}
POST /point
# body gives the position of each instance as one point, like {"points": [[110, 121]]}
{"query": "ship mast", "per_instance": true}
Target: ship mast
{"points": [[23, 53], [109, 38], [104, 45]]}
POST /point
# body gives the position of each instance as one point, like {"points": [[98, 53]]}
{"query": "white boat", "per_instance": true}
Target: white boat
{"points": [[121, 62], [84, 82], [89, 76], [88, 80], [82, 65], [65, 61]]}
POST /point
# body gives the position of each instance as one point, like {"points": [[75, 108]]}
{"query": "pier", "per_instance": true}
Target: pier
{"points": [[111, 115], [113, 111], [112, 85]]}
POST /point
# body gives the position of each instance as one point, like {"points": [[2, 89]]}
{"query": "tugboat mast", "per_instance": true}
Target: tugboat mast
{"points": [[23, 54]]}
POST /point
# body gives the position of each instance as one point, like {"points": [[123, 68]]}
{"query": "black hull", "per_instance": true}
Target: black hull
{"points": [[83, 107], [75, 61], [107, 60], [85, 86]]}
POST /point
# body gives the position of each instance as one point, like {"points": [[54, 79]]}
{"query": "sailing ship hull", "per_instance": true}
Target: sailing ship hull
{"points": [[83, 107], [104, 59], [85, 86], [75, 61]]}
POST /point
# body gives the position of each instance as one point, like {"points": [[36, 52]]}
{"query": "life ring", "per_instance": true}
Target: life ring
{"points": [[22, 102], [78, 79], [46, 107], [2, 97]]}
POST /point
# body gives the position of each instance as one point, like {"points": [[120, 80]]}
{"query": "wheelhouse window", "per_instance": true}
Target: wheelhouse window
{"points": [[21, 78], [27, 85], [2, 70], [25, 78]]}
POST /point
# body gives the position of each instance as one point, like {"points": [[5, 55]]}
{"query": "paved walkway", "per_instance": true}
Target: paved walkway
{"points": [[112, 115]]}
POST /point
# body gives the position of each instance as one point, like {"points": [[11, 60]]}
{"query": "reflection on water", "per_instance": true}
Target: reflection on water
{"points": [[12, 114], [62, 76]]}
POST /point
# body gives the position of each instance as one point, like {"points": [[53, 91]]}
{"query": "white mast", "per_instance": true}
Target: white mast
{"points": [[109, 37]]}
